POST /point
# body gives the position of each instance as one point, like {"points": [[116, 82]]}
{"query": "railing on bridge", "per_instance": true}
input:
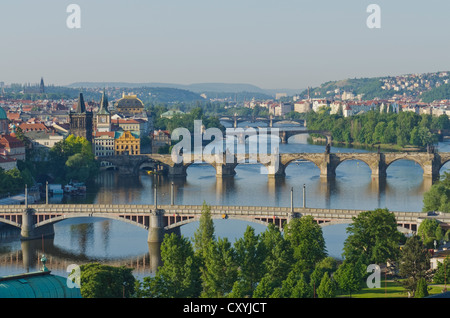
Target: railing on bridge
{"points": [[37, 218]]}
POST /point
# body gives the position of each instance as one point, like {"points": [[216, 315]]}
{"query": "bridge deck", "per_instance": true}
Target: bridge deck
{"points": [[249, 211]]}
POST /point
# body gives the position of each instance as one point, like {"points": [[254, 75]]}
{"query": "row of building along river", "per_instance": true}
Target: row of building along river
{"points": [[79, 241]]}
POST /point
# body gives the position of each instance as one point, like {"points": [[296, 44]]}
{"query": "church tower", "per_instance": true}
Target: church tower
{"points": [[42, 86], [103, 118], [81, 120]]}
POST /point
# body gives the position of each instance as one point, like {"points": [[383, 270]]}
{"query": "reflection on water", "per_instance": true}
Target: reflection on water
{"points": [[84, 240]]}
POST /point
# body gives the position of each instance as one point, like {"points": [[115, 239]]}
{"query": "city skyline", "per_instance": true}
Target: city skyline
{"points": [[287, 44]]}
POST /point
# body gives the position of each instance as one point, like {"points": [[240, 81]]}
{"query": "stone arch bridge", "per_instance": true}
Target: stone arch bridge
{"points": [[276, 165], [36, 221]]}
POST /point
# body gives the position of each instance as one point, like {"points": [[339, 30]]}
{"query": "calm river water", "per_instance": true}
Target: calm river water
{"points": [[79, 241]]}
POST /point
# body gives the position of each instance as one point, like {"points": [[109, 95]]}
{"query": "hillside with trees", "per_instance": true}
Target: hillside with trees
{"points": [[374, 127]]}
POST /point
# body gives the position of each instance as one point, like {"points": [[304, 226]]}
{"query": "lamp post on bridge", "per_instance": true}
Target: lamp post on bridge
{"points": [[171, 195], [292, 200], [26, 196], [304, 196], [156, 196]]}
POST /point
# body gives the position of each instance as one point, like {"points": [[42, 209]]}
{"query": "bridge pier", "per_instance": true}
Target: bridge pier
{"points": [[276, 170], [379, 167], [225, 170], [29, 231], [328, 166], [156, 228], [431, 168], [177, 171]]}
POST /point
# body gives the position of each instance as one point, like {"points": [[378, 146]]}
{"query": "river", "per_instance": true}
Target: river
{"points": [[79, 241]]}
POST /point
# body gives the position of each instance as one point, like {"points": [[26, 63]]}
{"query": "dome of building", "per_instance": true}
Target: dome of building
{"points": [[130, 103]]}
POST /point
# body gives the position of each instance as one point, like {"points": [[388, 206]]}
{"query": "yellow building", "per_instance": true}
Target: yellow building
{"points": [[127, 143], [130, 104]]}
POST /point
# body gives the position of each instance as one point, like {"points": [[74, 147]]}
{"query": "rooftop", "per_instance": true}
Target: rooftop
{"points": [[41, 284]]}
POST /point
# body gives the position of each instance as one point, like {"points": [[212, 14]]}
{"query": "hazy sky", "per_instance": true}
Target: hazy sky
{"points": [[268, 43]]}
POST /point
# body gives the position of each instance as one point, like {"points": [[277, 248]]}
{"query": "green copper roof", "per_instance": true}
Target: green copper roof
{"points": [[104, 105], [36, 285], [3, 114]]}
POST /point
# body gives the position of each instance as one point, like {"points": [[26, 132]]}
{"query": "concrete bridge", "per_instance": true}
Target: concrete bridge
{"points": [[36, 221], [276, 165], [270, 120], [282, 133]]}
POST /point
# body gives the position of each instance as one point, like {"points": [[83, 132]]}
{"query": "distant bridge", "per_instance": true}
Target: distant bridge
{"points": [[270, 120], [36, 221], [276, 165]]}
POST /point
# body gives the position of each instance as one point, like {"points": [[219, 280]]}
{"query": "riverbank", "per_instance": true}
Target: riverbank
{"points": [[357, 145]]}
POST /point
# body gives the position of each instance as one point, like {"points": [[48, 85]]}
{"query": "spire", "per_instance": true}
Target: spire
{"points": [[104, 103], [81, 107]]}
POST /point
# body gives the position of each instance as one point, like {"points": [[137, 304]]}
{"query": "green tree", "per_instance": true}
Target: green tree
{"points": [[326, 266], [379, 131], [327, 287], [429, 231], [265, 287], [302, 289], [390, 136], [179, 277], [104, 281], [373, 238], [204, 235], [349, 276], [220, 269], [438, 197], [414, 264], [72, 158], [250, 256], [294, 286], [442, 273], [278, 254], [421, 289], [306, 239]]}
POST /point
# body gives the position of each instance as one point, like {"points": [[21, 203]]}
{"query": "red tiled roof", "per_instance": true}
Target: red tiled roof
{"points": [[9, 141], [33, 127], [105, 133]]}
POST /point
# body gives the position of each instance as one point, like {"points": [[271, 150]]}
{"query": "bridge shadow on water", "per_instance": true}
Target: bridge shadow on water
{"points": [[20, 256]]}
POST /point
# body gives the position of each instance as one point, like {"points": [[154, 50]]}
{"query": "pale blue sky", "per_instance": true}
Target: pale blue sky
{"points": [[268, 43]]}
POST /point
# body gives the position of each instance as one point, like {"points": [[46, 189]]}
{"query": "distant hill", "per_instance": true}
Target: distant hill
{"points": [[437, 93], [200, 88], [197, 88], [426, 87]]}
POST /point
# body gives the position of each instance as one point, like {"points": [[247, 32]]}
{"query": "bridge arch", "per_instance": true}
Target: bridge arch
{"points": [[409, 158], [367, 163], [10, 222], [265, 221], [197, 163], [286, 134], [444, 162], [293, 160], [107, 165], [122, 218]]}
